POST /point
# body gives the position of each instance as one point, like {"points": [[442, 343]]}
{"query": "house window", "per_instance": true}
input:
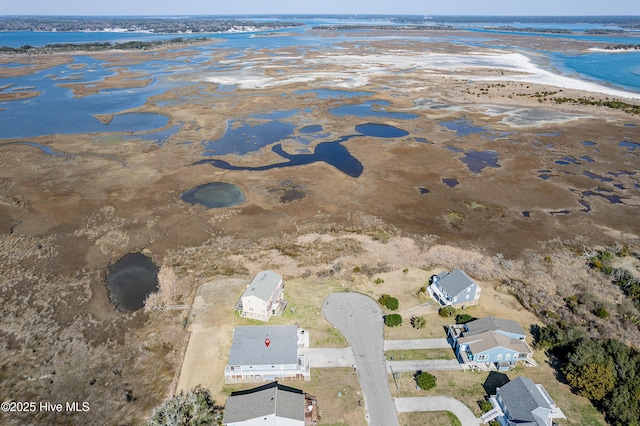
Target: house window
{"points": [[499, 357], [467, 297], [483, 357], [507, 356]]}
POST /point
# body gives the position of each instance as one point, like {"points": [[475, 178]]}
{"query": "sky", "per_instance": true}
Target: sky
{"points": [[410, 7]]}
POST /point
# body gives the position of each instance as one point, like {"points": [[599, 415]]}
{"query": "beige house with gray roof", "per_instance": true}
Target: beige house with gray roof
{"points": [[263, 297]]}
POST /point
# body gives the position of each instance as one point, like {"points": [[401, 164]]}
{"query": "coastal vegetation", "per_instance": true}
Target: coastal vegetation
{"points": [[154, 25], [425, 380], [97, 46], [196, 407]]}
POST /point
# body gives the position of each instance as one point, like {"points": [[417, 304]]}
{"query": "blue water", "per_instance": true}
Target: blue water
{"points": [[332, 153], [621, 69], [371, 108], [40, 115]]}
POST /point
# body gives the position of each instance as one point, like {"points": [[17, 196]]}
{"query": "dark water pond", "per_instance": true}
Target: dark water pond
{"points": [[214, 195], [332, 153], [314, 128], [248, 138], [450, 182], [631, 146], [131, 280], [371, 109], [597, 177], [463, 127], [478, 160], [380, 130]]}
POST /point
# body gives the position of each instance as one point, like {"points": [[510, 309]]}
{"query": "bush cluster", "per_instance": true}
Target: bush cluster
{"points": [[392, 320], [389, 302]]}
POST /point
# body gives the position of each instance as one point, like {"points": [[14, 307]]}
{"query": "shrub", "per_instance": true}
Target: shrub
{"points": [[601, 312], [463, 318], [425, 380], [196, 407], [378, 281], [485, 406], [383, 299], [392, 320], [418, 322], [392, 303], [447, 311]]}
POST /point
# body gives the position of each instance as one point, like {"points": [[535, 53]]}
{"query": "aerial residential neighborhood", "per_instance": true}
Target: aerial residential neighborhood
{"points": [[286, 359]]}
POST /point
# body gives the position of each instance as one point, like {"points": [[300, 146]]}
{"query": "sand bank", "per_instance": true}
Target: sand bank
{"points": [[354, 71]]}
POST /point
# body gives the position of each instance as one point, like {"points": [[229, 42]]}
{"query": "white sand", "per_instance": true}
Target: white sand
{"points": [[355, 70]]}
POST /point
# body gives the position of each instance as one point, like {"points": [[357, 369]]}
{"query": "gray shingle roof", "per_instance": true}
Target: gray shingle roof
{"points": [[495, 324], [488, 340], [248, 346], [525, 403], [455, 282], [273, 398], [263, 285]]}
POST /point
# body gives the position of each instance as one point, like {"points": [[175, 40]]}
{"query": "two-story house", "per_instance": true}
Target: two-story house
{"points": [[455, 289], [490, 343], [522, 402], [263, 297], [264, 353]]}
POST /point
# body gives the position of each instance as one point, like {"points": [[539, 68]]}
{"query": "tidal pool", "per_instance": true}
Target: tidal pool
{"points": [[478, 160], [332, 153], [214, 195], [371, 109], [131, 280]]}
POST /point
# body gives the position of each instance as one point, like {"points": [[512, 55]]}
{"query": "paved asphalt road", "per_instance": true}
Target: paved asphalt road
{"points": [[359, 319], [438, 403]]}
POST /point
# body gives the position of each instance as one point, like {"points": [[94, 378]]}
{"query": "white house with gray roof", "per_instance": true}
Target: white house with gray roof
{"points": [[269, 405], [522, 403], [455, 289], [265, 353], [263, 297]]}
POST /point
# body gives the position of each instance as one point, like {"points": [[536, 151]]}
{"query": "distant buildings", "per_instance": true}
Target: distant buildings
{"points": [[265, 353], [490, 343], [263, 297], [455, 289], [524, 403], [271, 404]]}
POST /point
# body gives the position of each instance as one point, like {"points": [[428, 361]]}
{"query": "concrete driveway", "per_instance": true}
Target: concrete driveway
{"points": [[359, 319], [396, 345], [423, 365], [438, 403], [328, 357]]}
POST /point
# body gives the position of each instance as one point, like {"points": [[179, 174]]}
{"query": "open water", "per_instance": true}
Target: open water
{"points": [[41, 115]]}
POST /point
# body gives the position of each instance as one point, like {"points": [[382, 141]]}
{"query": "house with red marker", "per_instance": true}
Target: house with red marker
{"points": [[267, 353]]}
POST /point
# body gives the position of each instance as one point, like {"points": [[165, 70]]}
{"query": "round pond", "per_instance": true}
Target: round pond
{"points": [[214, 195], [131, 280]]}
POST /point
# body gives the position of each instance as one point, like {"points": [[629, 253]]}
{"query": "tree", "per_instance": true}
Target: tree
{"points": [[193, 408], [463, 318], [447, 311], [418, 322], [425, 380], [592, 380], [392, 320]]}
